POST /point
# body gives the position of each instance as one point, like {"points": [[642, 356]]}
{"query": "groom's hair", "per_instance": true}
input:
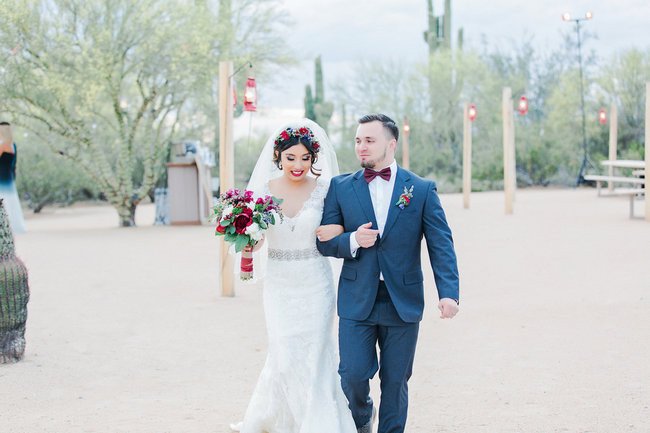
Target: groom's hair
{"points": [[389, 124]]}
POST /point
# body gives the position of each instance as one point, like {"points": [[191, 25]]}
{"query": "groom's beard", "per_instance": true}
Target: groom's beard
{"points": [[373, 163]]}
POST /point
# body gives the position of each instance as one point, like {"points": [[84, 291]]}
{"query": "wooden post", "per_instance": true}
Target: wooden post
{"points": [[513, 156], [647, 148], [613, 140], [405, 150], [508, 141], [226, 166], [467, 156]]}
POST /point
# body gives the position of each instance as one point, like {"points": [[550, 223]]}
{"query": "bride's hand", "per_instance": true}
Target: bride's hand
{"points": [[328, 232], [259, 243]]}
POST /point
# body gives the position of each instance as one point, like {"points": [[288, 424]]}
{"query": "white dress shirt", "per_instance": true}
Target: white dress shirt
{"points": [[380, 193]]}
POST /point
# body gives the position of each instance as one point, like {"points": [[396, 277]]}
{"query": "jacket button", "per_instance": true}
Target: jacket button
{"points": [[380, 249]]}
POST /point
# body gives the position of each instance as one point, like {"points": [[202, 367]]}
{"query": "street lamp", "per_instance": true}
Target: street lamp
{"points": [[585, 159]]}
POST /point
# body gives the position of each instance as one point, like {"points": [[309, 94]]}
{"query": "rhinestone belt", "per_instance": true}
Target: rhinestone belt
{"points": [[306, 253]]}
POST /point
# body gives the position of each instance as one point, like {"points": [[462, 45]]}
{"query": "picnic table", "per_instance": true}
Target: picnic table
{"points": [[636, 183], [625, 163]]}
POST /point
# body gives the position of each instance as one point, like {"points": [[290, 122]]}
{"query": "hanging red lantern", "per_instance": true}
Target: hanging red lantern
{"points": [[407, 127], [471, 112], [250, 95], [523, 105], [602, 117]]}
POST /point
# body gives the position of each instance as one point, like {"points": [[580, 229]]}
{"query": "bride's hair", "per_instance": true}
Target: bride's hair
{"points": [[281, 145]]}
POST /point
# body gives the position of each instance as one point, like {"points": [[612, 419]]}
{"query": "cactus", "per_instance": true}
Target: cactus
{"points": [[431, 34], [316, 106], [438, 35], [14, 294], [446, 25], [460, 39], [309, 104]]}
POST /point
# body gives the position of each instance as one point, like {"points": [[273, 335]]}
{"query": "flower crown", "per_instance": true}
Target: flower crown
{"points": [[302, 132]]}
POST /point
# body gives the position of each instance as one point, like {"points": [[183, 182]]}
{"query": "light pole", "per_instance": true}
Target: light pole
{"points": [[585, 160]]}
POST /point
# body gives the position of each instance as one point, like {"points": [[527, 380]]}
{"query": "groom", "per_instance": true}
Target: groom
{"points": [[385, 211]]}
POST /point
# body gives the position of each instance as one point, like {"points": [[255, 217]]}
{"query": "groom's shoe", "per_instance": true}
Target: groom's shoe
{"points": [[367, 427]]}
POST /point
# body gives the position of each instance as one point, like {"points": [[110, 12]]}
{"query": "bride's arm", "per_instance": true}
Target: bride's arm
{"points": [[328, 232], [338, 246]]}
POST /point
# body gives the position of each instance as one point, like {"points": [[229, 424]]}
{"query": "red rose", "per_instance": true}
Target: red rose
{"points": [[285, 135], [221, 229], [242, 221]]}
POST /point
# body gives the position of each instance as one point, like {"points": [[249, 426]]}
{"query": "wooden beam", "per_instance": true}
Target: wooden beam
{"points": [[647, 146], [613, 140], [226, 166], [467, 156], [508, 146]]}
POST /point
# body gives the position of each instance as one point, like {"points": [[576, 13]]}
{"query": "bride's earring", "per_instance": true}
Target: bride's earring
{"points": [[280, 165]]}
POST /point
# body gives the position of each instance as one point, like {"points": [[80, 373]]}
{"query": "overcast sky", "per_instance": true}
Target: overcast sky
{"points": [[343, 31]]}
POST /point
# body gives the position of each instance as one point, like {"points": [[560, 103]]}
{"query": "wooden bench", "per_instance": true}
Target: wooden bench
{"points": [[632, 193], [613, 179], [637, 191]]}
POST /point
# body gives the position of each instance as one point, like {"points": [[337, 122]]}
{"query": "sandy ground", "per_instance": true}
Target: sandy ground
{"points": [[127, 330]]}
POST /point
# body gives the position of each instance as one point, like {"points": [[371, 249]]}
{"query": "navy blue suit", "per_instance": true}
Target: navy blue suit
{"points": [[385, 312]]}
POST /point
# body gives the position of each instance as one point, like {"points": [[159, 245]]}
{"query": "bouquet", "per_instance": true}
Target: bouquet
{"points": [[242, 220]]}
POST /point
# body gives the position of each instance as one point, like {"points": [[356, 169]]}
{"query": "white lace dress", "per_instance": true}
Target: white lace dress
{"points": [[299, 389]]}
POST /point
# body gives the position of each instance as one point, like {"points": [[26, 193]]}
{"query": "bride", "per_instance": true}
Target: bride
{"points": [[299, 389]]}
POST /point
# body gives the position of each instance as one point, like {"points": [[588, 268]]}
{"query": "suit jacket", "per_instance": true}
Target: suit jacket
{"points": [[397, 253]]}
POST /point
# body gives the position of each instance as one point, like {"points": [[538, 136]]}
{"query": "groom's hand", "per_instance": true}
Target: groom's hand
{"points": [[365, 236], [448, 308]]}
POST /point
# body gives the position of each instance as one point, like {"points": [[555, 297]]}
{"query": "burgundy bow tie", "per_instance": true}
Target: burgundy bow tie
{"points": [[371, 174]]}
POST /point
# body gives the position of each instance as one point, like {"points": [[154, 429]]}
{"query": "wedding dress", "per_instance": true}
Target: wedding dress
{"points": [[299, 389]]}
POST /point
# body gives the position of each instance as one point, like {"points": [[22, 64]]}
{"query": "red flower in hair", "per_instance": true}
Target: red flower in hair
{"points": [[285, 135]]}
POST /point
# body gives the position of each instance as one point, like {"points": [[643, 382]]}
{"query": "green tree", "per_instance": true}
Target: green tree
{"points": [[44, 178], [109, 85], [622, 81]]}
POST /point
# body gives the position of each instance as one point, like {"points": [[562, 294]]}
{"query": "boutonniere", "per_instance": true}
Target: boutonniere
{"points": [[405, 198]]}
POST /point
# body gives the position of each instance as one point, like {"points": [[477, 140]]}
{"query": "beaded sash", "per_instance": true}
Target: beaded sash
{"points": [[306, 253]]}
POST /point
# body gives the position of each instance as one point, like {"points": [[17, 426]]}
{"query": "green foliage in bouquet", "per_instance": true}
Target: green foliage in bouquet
{"points": [[241, 219]]}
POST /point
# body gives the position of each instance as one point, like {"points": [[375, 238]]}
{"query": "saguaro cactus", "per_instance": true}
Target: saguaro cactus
{"points": [[438, 33], [14, 294], [431, 34], [316, 108]]}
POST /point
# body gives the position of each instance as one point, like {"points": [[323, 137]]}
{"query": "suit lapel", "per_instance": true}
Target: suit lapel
{"points": [[394, 211], [363, 195]]}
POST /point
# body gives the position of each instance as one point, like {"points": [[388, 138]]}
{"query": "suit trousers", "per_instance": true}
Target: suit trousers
{"points": [[358, 341]]}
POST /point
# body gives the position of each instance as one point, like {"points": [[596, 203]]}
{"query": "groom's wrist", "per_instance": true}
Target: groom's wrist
{"points": [[354, 245]]}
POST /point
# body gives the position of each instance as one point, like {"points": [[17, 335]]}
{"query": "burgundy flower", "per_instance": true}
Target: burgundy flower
{"points": [[221, 229], [242, 221], [285, 135]]}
